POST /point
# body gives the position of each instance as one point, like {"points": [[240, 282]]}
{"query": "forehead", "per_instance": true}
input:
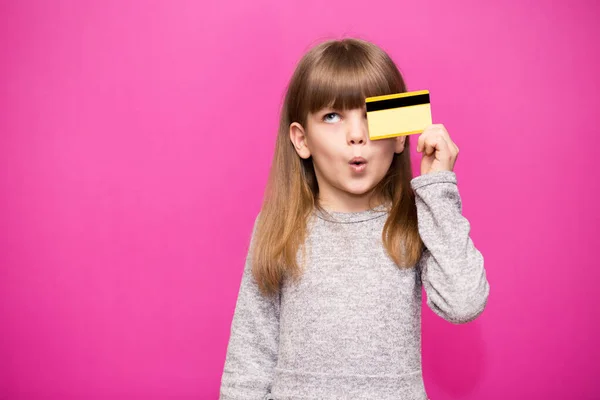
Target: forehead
{"points": [[342, 97], [344, 85]]}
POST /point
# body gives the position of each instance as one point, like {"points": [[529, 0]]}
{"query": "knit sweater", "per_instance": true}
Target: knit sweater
{"points": [[350, 328]]}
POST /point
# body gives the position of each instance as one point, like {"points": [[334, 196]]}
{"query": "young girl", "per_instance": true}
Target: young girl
{"points": [[329, 305]]}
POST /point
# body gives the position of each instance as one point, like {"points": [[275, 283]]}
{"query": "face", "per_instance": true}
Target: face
{"points": [[347, 163]]}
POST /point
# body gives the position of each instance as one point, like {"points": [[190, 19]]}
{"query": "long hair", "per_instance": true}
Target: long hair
{"points": [[338, 74]]}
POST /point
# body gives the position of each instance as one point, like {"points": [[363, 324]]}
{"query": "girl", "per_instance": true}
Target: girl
{"points": [[329, 305]]}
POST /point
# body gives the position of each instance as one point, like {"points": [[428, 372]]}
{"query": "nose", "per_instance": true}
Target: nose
{"points": [[357, 128]]}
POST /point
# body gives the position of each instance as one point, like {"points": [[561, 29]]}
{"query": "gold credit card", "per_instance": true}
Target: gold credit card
{"points": [[398, 114]]}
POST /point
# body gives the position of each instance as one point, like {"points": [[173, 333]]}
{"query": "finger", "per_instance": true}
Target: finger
{"points": [[420, 142], [430, 146], [449, 143], [443, 132], [436, 143], [423, 137]]}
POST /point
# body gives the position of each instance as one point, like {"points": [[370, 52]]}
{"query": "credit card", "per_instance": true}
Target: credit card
{"points": [[398, 114]]}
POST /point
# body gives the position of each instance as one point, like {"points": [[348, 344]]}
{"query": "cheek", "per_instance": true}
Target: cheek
{"points": [[325, 148], [384, 153], [384, 148]]}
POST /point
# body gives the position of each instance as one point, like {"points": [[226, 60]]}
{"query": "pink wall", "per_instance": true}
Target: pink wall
{"points": [[135, 142]]}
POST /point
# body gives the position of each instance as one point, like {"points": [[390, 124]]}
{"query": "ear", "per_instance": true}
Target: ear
{"points": [[298, 138], [400, 141]]}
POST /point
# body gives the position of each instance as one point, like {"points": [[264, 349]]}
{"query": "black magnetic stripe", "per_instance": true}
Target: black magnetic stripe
{"points": [[398, 102]]}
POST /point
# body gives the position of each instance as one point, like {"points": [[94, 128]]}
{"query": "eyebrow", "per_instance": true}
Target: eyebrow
{"points": [[327, 110], [324, 111]]}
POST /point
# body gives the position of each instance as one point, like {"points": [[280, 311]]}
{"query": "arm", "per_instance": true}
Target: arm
{"points": [[451, 267], [253, 344]]}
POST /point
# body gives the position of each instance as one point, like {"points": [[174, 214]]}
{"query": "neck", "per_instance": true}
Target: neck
{"points": [[340, 201]]}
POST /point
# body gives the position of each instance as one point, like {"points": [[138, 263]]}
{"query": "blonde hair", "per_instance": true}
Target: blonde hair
{"points": [[338, 74]]}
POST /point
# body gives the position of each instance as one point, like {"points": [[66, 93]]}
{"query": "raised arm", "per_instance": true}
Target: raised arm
{"points": [[451, 267]]}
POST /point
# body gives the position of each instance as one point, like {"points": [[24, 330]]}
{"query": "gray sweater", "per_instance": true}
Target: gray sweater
{"points": [[351, 327]]}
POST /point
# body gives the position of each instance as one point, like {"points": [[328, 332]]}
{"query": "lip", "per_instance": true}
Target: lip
{"points": [[358, 164], [361, 160]]}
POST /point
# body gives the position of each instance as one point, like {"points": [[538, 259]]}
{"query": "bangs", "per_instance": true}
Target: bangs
{"points": [[345, 75]]}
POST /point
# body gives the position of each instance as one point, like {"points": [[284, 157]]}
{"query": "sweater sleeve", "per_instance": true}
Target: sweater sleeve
{"points": [[451, 268], [253, 344]]}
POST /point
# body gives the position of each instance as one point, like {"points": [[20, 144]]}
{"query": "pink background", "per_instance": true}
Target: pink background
{"points": [[136, 138]]}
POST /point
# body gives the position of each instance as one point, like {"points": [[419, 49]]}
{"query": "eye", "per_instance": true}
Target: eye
{"points": [[330, 117]]}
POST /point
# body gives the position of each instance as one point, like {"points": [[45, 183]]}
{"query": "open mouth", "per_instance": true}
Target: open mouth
{"points": [[358, 164], [358, 161]]}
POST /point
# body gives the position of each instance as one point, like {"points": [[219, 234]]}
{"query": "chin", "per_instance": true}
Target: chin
{"points": [[359, 189]]}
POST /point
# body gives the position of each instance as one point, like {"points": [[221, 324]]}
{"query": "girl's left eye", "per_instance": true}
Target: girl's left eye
{"points": [[327, 118]]}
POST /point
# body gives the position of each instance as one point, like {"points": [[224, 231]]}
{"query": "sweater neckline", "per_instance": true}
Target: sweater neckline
{"points": [[344, 217]]}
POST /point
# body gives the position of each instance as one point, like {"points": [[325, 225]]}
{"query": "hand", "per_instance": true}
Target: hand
{"points": [[439, 151]]}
